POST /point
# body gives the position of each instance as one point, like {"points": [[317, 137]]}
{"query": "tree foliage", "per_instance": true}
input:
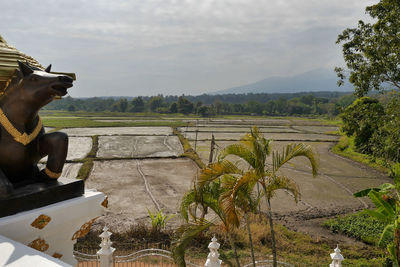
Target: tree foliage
{"points": [[323, 103], [375, 124], [254, 150], [387, 210], [137, 104], [363, 119], [372, 50]]}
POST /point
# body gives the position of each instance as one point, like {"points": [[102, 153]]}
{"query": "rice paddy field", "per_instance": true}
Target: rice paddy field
{"points": [[140, 164], [141, 168]]}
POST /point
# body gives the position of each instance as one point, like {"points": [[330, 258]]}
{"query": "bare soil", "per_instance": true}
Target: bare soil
{"points": [[135, 186], [139, 146]]}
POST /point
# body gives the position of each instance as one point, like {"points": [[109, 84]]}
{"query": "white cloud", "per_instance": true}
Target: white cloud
{"points": [[179, 46]]}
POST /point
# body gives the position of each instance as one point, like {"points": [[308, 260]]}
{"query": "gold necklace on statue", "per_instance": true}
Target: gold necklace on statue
{"points": [[22, 138]]}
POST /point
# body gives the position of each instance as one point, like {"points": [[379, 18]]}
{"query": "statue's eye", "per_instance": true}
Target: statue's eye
{"points": [[34, 79]]}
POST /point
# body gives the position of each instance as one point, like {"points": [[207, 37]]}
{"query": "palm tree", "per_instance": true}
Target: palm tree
{"points": [[254, 149], [246, 201], [208, 198]]}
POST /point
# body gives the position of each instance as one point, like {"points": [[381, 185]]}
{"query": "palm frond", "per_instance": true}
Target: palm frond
{"points": [[188, 233], [292, 151], [282, 182], [216, 170], [238, 193], [240, 151], [229, 208], [187, 200]]}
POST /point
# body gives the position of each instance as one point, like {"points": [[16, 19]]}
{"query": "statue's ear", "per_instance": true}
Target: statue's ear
{"points": [[25, 68], [48, 69]]}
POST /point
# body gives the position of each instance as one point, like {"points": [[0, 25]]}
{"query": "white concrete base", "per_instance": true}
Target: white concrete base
{"points": [[66, 218], [15, 254]]}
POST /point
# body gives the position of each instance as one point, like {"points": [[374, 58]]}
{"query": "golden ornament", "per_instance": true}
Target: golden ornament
{"points": [[105, 202], [51, 174], [84, 230], [22, 138], [41, 221], [39, 244]]}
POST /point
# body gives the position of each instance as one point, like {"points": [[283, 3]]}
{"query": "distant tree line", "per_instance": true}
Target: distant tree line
{"points": [[320, 103]]}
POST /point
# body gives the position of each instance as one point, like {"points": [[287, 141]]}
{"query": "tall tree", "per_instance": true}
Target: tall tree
{"points": [[137, 104], [123, 104], [184, 105], [372, 50], [155, 102]]}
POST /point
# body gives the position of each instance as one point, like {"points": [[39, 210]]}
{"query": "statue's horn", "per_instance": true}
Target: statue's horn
{"points": [[48, 69], [25, 68]]}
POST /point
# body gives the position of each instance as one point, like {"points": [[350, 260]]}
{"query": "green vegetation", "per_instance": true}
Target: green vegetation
{"points": [[293, 247], [87, 165], [85, 170], [159, 220], [386, 199], [371, 51], [346, 148], [318, 103], [371, 54], [228, 190], [187, 149], [358, 225], [373, 127], [71, 122]]}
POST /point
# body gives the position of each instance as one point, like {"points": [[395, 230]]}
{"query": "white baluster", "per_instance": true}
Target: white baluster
{"points": [[337, 258], [106, 251], [213, 257]]}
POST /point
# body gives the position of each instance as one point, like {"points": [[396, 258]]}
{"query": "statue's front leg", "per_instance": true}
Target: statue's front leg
{"points": [[6, 188], [55, 146]]}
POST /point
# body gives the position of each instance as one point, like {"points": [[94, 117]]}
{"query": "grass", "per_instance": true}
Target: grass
{"points": [[78, 122], [346, 148], [87, 165], [85, 169], [115, 115], [293, 247], [358, 225]]}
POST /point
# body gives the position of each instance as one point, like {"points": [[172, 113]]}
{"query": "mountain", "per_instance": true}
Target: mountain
{"points": [[315, 80]]}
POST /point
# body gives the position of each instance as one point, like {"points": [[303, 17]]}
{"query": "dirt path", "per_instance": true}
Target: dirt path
{"points": [[147, 186]]}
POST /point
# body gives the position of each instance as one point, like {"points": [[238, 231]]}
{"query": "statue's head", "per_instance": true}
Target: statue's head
{"points": [[40, 86]]}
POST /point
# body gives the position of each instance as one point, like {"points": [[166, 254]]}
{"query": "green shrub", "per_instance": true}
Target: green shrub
{"points": [[343, 143], [159, 220], [358, 225]]}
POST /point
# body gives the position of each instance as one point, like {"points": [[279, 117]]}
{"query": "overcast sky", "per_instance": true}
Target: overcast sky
{"points": [[148, 47]]}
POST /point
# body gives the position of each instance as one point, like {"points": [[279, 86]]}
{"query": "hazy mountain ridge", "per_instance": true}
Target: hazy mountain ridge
{"points": [[311, 81]]}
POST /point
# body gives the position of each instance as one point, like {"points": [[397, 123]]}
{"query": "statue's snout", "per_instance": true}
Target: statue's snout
{"points": [[65, 79]]}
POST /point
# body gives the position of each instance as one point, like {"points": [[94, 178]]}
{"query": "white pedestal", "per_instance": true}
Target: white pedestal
{"points": [[65, 219], [14, 254]]}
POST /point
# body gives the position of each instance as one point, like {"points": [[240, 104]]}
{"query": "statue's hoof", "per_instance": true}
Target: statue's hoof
{"points": [[44, 178], [6, 189]]}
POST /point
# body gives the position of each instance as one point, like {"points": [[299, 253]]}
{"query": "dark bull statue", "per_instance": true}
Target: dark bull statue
{"points": [[23, 141]]}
